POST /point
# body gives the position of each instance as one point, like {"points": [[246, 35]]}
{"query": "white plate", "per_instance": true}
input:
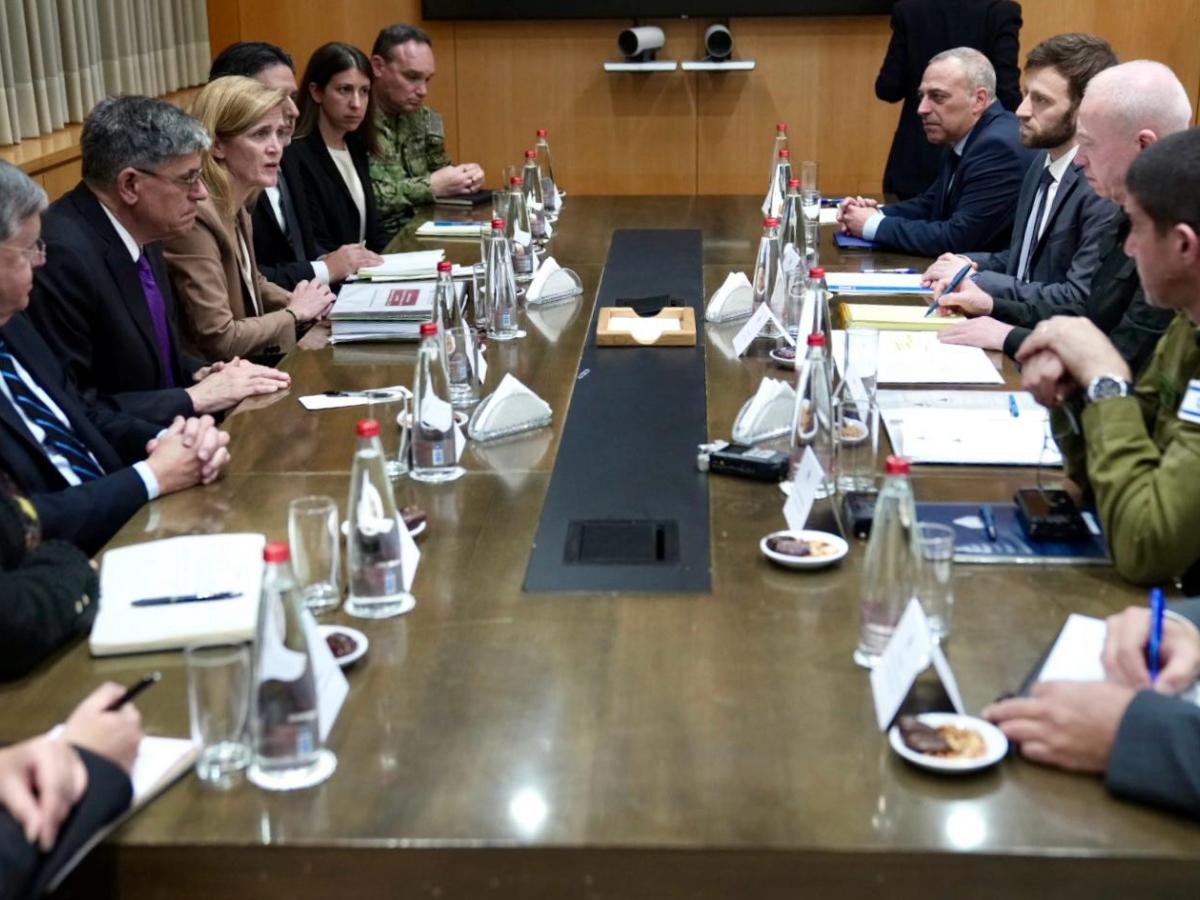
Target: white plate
{"points": [[360, 641], [415, 532], [782, 361], [993, 738], [805, 562]]}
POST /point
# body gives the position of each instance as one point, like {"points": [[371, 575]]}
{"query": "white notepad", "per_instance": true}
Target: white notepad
{"points": [[196, 564]]}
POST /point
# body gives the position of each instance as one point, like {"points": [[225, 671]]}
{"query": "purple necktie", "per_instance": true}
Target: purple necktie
{"points": [[158, 315]]}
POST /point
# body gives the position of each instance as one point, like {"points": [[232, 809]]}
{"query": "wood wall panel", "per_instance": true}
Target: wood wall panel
{"points": [[818, 76], [619, 133], [681, 132]]}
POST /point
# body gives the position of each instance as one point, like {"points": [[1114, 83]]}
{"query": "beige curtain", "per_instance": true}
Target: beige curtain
{"points": [[58, 57]]}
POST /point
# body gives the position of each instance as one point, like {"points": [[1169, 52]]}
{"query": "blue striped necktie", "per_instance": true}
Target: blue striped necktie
{"points": [[59, 438]]}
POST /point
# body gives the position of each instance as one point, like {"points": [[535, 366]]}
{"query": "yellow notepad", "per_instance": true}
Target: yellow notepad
{"points": [[905, 318]]}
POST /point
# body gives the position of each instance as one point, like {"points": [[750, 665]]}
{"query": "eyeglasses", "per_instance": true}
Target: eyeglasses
{"points": [[187, 182], [35, 254]]}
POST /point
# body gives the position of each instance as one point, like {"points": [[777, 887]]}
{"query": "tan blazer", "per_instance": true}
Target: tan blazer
{"points": [[224, 314]]}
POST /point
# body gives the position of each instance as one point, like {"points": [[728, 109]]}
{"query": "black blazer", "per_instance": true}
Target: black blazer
{"points": [[335, 218], [920, 30], [47, 591], [1117, 303], [285, 259], [87, 515], [26, 872], [972, 207], [88, 303], [1061, 262]]}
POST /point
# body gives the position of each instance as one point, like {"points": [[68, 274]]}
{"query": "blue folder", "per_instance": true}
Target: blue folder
{"points": [[971, 543], [850, 242]]}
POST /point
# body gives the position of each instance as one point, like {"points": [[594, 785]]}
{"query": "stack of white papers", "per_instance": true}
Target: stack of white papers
{"points": [[418, 264], [968, 428], [917, 357], [367, 311], [451, 229], [875, 283]]}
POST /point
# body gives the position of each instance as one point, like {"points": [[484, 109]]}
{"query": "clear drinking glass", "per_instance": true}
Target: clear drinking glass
{"points": [[393, 416], [218, 704], [500, 204], [316, 552], [808, 175], [935, 583]]}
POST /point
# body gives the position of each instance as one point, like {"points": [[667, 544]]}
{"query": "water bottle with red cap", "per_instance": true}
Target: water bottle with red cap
{"points": [[434, 435], [892, 564], [813, 420], [535, 201], [766, 273], [550, 186], [377, 585]]}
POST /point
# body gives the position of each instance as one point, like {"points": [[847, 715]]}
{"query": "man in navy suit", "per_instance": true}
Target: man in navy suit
{"points": [[1060, 221], [970, 204], [86, 469], [920, 29], [102, 300]]}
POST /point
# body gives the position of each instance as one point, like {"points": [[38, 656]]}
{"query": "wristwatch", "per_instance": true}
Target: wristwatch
{"points": [[1105, 386]]}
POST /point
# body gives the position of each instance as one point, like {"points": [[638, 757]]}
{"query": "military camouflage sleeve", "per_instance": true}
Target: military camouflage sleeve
{"points": [[1143, 468]]}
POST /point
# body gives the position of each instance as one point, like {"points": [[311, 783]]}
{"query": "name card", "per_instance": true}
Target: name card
{"points": [[331, 684], [809, 476], [907, 655], [753, 327]]}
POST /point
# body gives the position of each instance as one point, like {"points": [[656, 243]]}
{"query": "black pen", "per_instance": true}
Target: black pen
{"points": [[954, 283], [989, 521], [134, 690], [186, 598]]}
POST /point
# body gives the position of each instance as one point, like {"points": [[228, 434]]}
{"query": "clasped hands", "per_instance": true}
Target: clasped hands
{"points": [[854, 212], [1072, 724], [463, 178], [189, 452], [224, 384]]}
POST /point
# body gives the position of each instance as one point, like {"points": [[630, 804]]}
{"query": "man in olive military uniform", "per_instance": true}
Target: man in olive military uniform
{"points": [[1136, 447], [411, 167]]}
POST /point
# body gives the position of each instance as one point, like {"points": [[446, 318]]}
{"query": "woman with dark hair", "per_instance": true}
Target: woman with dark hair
{"points": [[334, 137]]}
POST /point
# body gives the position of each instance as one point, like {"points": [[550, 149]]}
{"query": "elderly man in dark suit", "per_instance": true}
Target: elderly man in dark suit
{"points": [[284, 245], [103, 300], [970, 204], [86, 469], [1060, 221], [921, 29]]}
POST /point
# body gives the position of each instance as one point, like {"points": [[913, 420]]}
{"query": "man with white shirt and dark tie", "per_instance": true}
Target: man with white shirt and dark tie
{"points": [[283, 241], [102, 300], [86, 469], [1047, 268], [1125, 109]]}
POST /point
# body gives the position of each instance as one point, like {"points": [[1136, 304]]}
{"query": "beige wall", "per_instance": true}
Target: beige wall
{"points": [[680, 132]]}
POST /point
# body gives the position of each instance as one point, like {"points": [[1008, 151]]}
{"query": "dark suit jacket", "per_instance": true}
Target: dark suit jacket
{"points": [[284, 259], [1061, 263], [335, 218], [47, 591], [1116, 302], [976, 212], [88, 303], [89, 514], [24, 870], [920, 30], [1156, 754]]}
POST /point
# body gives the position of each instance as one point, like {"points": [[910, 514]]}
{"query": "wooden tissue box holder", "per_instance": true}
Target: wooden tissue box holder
{"points": [[650, 330]]}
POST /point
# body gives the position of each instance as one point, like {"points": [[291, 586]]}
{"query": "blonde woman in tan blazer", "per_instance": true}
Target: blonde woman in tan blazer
{"points": [[228, 308]]}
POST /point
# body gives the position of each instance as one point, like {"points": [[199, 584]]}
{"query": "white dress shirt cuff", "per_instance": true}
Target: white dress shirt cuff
{"points": [[872, 225], [320, 271], [147, 475]]}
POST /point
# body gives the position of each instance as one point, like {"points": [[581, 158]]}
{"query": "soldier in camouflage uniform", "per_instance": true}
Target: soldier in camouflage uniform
{"points": [[411, 166], [1135, 446]]}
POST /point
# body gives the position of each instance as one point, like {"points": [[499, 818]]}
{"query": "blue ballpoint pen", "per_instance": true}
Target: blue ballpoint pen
{"points": [[989, 521], [1157, 607], [1012, 405], [954, 283]]}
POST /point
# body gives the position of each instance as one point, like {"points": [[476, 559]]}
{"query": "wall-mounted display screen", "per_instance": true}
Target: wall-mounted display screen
{"points": [[646, 9]]}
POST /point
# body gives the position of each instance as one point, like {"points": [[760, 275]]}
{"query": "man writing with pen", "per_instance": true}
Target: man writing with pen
{"points": [[1136, 447]]}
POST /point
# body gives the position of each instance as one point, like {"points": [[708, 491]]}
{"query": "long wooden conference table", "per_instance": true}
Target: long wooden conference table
{"points": [[497, 743]]}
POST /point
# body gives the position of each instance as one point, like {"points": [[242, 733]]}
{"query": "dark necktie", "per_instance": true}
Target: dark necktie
{"points": [[60, 439], [291, 225], [951, 169], [158, 315], [1031, 227]]}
